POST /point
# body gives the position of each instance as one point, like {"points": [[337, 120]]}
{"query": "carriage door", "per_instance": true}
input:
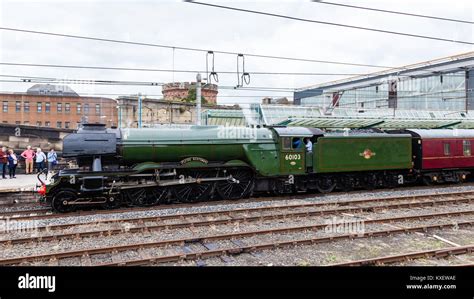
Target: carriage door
{"points": [[292, 155]]}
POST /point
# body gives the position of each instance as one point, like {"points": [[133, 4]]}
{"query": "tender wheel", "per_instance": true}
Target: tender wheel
{"points": [[147, 196], [61, 201], [239, 187], [390, 181], [325, 185], [194, 192], [346, 183], [427, 181], [369, 182]]}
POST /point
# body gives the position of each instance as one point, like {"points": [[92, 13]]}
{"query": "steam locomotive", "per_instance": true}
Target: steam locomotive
{"points": [[144, 167]]}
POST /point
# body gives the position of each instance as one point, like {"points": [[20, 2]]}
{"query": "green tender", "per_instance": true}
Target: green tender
{"points": [[362, 153]]}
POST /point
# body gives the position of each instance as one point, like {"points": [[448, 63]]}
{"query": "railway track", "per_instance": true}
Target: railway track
{"points": [[212, 249], [434, 253], [240, 215], [20, 199], [244, 219], [426, 200]]}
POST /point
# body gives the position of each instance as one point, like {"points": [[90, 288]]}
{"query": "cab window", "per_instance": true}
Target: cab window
{"points": [[286, 143], [296, 143]]}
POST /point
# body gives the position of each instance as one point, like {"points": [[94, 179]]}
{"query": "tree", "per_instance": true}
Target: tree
{"points": [[191, 98]]}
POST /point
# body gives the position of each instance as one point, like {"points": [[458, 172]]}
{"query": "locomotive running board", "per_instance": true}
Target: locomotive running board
{"points": [[179, 182]]}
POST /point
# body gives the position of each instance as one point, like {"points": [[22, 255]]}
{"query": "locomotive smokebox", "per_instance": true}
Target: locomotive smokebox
{"points": [[92, 140]]}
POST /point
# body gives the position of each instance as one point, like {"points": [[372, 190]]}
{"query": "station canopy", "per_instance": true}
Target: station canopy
{"points": [[340, 118]]}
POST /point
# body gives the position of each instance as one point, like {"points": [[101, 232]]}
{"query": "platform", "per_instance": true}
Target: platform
{"points": [[22, 182]]}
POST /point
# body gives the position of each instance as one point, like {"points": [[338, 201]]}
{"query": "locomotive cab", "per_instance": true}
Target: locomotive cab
{"points": [[294, 159]]}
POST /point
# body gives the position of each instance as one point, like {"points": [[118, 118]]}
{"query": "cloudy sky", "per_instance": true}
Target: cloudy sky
{"points": [[181, 24]]}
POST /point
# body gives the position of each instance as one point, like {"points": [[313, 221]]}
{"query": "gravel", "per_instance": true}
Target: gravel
{"points": [[334, 253]]}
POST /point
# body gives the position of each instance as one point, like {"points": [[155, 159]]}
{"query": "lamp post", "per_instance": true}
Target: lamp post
{"points": [[139, 110], [198, 99]]}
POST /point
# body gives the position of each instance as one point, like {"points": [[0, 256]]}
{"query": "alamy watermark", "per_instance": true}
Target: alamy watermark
{"points": [[231, 132], [8, 225], [345, 225]]}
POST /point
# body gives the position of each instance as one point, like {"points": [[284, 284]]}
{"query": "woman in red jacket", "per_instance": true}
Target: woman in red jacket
{"points": [[3, 161]]}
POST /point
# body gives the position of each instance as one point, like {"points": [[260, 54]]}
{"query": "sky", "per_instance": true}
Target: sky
{"points": [[182, 24]]}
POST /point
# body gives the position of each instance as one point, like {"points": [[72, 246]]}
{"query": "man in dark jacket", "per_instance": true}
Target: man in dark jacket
{"points": [[3, 161]]}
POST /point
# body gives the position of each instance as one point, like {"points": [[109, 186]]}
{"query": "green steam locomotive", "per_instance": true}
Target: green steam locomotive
{"points": [[143, 167]]}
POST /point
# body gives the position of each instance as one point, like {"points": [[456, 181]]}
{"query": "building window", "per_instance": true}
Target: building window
{"points": [[38, 124], [67, 108], [97, 109], [86, 108], [67, 125], [47, 107], [59, 107], [47, 124], [26, 123], [5, 122], [59, 124], [447, 149], [18, 106], [5, 106], [17, 122], [26, 106], [39, 107], [79, 108], [466, 147]]}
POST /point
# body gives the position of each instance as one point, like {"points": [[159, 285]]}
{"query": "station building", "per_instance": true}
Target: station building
{"points": [[55, 106], [441, 84]]}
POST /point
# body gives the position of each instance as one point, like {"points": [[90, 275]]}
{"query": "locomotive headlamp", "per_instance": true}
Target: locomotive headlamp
{"points": [[42, 190]]}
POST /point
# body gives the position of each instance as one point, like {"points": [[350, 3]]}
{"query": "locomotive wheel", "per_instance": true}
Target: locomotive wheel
{"points": [[325, 185], [196, 191], [147, 196], [113, 202], [61, 200], [242, 187]]}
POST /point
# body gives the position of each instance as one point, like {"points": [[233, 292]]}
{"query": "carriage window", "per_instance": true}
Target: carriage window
{"points": [[286, 141], [466, 147], [447, 149]]}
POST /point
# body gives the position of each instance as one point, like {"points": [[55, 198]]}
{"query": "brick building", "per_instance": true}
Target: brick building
{"points": [[46, 105], [178, 91], [159, 111]]}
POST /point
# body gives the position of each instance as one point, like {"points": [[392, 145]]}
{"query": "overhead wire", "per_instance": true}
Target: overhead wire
{"points": [[394, 12], [188, 48], [334, 24]]}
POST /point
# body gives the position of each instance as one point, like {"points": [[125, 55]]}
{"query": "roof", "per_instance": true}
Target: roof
{"points": [[455, 133], [49, 89], [445, 64], [297, 131]]}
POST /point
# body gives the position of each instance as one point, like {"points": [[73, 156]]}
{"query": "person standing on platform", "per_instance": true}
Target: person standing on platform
{"points": [[40, 160], [3, 161], [28, 155], [52, 159], [12, 163]]}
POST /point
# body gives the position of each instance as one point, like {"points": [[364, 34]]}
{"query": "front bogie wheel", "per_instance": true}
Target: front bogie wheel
{"points": [[62, 201]]}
